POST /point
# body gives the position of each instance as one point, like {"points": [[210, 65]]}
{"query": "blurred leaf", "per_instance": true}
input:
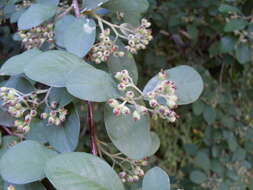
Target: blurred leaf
{"points": [[243, 53], [198, 177], [235, 24], [92, 4], [156, 178], [209, 115]]}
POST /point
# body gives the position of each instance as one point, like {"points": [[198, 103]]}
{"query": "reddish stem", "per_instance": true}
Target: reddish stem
{"points": [[76, 8], [91, 124]]}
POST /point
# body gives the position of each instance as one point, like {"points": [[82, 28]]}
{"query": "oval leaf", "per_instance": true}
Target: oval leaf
{"points": [[91, 84], [188, 82], [80, 36], [79, 171], [35, 15], [125, 133], [64, 138], [60, 28], [25, 162], [16, 64], [52, 67], [116, 64], [156, 178]]}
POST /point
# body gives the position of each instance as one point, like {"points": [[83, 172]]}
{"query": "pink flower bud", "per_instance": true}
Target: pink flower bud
{"points": [[121, 86], [116, 111], [125, 110], [153, 103], [136, 116]]}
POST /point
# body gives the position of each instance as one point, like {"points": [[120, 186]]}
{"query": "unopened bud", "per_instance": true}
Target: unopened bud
{"points": [[43, 116], [125, 110], [153, 103], [136, 116], [11, 187], [116, 111]]}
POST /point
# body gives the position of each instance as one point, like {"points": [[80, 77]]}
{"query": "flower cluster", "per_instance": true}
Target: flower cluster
{"points": [[19, 106], [56, 116], [36, 36], [105, 48], [164, 89], [135, 173], [140, 37]]}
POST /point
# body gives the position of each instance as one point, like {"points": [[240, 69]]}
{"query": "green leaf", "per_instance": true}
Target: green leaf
{"points": [[227, 44], [116, 64], [243, 53], [198, 107], [52, 67], [156, 178], [92, 4], [20, 83], [125, 133], [48, 2], [155, 143], [6, 119], [29, 186], [209, 115], [235, 24], [132, 9], [202, 161], [15, 65], [79, 171], [198, 177], [7, 142], [61, 96], [35, 15], [25, 162], [60, 28], [38, 131], [64, 138], [188, 82], [225, 8], [91, 84], [80, 36]]}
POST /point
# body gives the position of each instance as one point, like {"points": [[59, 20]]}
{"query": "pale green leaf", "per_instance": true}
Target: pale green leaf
{"points": [[187, 80], [52, 67], [79, 171], [91, 84], [35, 15], [15, 65], [156, 178], [80, 36], [125, 133], [25, 162]]}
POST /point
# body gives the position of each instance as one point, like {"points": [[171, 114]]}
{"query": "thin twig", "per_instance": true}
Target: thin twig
{"points": [[91, 124]]}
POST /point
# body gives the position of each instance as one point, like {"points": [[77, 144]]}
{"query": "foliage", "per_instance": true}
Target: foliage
{"points": [[89, 76]]}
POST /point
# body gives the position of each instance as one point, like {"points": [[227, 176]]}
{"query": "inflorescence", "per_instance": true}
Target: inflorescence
{"points": [[129, 103], [56, 116], [24, 107], [138, 38], [37, 36]]}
